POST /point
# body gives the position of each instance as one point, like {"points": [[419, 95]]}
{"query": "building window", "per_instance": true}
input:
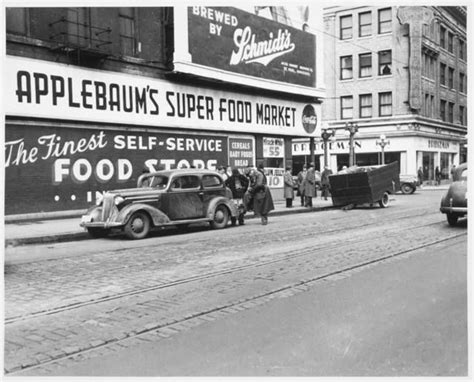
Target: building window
{"points": [[427, 106], [346, 67], [462, 120], [442, 37], [365, 105], [462, 50], [450, 112], [346, 27], [346, 107], [385, 62], [450, 42], [385, 104], [365, 65], [16, 21], [451, 78], [461, 82], [442, 110], [385, 20], [365, 24], [127, 31], [432, 102], [442, 73]]}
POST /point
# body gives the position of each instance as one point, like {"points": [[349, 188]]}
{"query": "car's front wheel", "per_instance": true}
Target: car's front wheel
{"points": [[137, 226], [407, 189], [221, 217], [452, 219], [384, 201]]}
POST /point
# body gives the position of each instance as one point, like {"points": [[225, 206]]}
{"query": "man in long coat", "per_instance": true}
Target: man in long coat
{"points": [[288, 187], [301, 178], [262, 197], [310, 186]]}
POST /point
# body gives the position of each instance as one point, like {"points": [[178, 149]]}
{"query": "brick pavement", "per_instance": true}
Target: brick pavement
{"points": [[112, 318]]}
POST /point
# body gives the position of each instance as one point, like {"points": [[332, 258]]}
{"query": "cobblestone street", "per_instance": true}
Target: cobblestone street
{"points": [[75, 307]]}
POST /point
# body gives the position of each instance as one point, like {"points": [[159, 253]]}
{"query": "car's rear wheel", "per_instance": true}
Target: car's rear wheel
{"points": [[97, 232], [221, 217], [384, 201], [407, 189], [452, 219], [137, 226]]}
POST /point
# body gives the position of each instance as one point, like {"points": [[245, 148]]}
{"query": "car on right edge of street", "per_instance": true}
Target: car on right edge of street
{"points": [[454, 202]]}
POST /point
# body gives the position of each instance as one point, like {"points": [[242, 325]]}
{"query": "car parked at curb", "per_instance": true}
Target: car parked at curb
{"points": [[454, 202], [162, 198], [408, 183]]}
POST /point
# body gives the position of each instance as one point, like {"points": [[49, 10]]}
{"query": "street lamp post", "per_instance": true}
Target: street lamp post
{"points": [[326, 134], [352, 128], [382, 142]]}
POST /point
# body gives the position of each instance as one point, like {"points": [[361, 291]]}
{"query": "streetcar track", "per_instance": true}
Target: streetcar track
{"points": [[291, 255], [266, 295]]}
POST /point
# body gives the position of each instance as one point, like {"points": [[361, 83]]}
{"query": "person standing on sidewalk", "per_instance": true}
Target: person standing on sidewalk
{"points": [[438, 176], [325, 182], [420, 176], [262, 197], [301, 178], [289, 185], [310, 186], [238, 184]]}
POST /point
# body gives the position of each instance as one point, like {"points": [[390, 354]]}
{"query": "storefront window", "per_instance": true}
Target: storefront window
{"points": [[444, 165]]}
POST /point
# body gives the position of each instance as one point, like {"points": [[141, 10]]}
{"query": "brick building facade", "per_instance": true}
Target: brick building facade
{"points": [[95, 96]]}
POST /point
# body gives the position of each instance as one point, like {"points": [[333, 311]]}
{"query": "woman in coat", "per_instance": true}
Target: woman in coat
{"points": [[289, 185]]}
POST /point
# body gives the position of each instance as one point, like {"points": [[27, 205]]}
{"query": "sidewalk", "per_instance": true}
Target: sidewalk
{"points": [[34, 231], [67, 229]]}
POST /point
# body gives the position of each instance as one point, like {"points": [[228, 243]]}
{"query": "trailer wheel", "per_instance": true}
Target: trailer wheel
{"points": [[384, 201]]}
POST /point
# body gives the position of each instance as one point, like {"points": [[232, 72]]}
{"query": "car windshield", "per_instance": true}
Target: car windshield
{"points": [[155, 181]]}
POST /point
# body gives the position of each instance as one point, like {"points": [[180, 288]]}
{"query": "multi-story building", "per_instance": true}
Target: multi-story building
{"points": [[400, 73], [95, 96]]}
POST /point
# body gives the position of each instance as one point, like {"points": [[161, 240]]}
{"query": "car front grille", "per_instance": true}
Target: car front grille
{"points": [[108, 207]]}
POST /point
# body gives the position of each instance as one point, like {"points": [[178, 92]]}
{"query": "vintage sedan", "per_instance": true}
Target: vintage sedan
{"points": [[454, 202], [162, 198]]}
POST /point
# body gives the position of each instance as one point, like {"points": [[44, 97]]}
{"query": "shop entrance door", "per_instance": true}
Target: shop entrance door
{"points": [[428, 166]]}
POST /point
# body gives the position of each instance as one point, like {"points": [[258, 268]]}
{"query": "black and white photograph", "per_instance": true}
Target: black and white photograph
{"points": [[242, 189]]}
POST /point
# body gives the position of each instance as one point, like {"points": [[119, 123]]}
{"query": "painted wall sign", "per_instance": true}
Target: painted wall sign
{"points": [[40, 89], [241, 152], [233, 40], [59, 168]]}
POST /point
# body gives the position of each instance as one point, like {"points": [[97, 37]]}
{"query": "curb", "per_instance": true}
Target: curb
{"points": [[76, 236]]}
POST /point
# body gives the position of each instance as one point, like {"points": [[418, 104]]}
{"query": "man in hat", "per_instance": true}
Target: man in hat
{"points": [[310, 185], [289, 185]]}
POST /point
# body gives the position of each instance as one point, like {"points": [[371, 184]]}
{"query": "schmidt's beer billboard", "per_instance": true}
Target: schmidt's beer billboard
{"points": [[235, 41]]}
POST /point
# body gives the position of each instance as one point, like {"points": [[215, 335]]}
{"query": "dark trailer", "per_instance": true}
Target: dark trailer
{"points": [[365, 184]]}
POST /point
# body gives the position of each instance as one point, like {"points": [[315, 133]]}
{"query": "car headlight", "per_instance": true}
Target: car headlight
{"points": [[118, 200]]}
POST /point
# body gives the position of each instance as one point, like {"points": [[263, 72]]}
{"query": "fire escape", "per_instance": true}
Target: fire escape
{"points": [[80, 40]]}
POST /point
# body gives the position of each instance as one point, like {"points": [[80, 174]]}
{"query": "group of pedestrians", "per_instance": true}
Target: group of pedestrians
{"points": [[250, 191], [307, 181]]}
